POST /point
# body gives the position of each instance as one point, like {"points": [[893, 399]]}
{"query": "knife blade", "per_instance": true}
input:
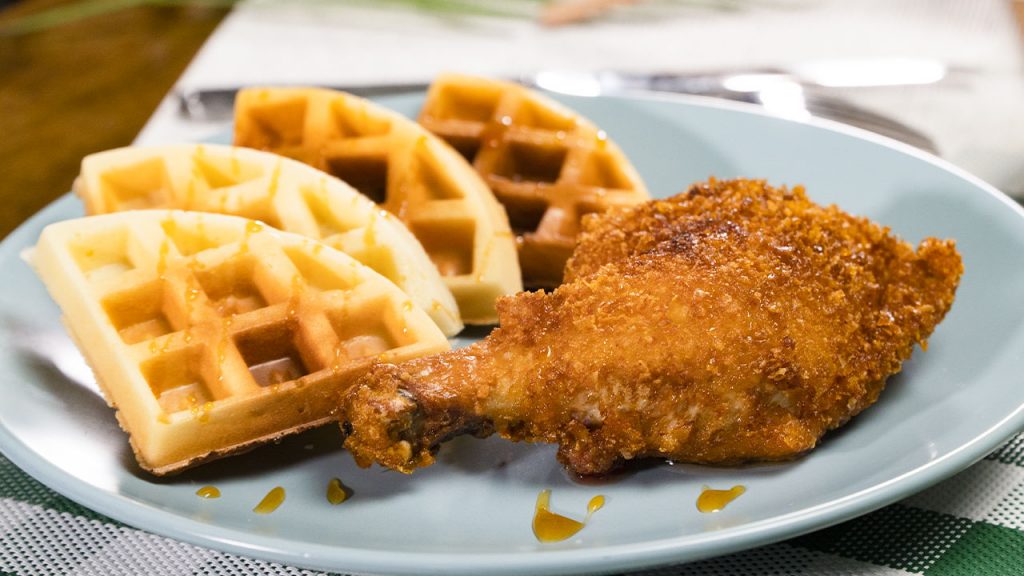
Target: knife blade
{"points": [[826, 73], [799, 91], [217, 104]]}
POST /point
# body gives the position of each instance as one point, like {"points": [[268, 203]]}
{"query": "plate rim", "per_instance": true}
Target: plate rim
{"points": [[611, 558]]}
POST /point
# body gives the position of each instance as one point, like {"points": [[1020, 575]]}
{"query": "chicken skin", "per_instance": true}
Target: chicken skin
{"points": [[731, 323]]}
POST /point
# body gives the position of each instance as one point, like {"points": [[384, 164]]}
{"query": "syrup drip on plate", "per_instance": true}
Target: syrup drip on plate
{"points": [[551, 527], [271, 501], [711, 500], [337, 492], [208, 492]]}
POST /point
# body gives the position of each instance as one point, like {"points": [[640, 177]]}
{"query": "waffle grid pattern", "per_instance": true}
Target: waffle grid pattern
{"points": [[399, 165], [282, 193], [217, 318], [547, 165]]}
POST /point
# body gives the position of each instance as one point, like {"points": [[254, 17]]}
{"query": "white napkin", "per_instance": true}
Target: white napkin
{"points": [[975, 116]]}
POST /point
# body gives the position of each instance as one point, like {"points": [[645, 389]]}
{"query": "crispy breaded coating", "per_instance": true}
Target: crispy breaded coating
{"points": [[731, 323]]}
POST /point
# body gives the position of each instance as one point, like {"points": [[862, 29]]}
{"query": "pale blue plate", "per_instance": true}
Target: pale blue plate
{"points": [[471, 513]]}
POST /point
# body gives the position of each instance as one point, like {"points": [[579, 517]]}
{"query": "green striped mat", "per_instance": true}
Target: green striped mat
{"points": [[970, 524]]}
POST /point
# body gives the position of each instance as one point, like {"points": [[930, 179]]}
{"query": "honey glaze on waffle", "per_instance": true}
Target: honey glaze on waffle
{"points": [[280, 192], [212, 334], [406, 170], [547, 165]]}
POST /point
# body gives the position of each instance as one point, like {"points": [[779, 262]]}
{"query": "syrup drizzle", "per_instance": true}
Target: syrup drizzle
{"points": [[551, 527], [271, 501], [161, 265], [337, 492], [711, 500], [199, 411], [275, 179], [208, 492]]}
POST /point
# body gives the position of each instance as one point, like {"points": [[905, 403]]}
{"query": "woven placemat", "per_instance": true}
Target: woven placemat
{"points": [[970, 524]]}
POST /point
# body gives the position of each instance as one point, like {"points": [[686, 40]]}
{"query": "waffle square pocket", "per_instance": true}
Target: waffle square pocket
{"points": [[212, 334]]}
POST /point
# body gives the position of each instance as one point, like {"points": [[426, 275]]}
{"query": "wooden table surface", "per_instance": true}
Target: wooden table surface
{"points": [[80, 88]]}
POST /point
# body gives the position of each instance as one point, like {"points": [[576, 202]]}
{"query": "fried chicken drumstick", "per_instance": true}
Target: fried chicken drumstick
{"points": [[731, 323]]}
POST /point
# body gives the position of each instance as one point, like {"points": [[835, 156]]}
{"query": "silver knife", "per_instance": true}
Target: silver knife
{"points": [[798, 91], [217, 104], [821, 74]]}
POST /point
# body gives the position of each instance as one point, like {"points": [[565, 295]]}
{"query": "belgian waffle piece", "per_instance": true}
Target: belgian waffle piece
{"points": [[284, 193], [405, 169], [548, 165], [211, 334]]}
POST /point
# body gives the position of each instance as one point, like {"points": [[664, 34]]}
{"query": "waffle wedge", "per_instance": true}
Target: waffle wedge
{"points": [[405, 169], [281, 192], [211, 334], [545, 163]]}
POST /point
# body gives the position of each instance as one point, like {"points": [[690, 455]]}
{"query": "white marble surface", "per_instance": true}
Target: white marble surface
{"points": [[975, 115]]}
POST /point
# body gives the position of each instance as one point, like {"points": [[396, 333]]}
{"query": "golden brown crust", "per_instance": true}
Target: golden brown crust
{"points": [[733, 322]]}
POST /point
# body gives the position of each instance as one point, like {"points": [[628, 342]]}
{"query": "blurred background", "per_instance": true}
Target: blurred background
{"points": [[80, 76], [69, 87]]}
